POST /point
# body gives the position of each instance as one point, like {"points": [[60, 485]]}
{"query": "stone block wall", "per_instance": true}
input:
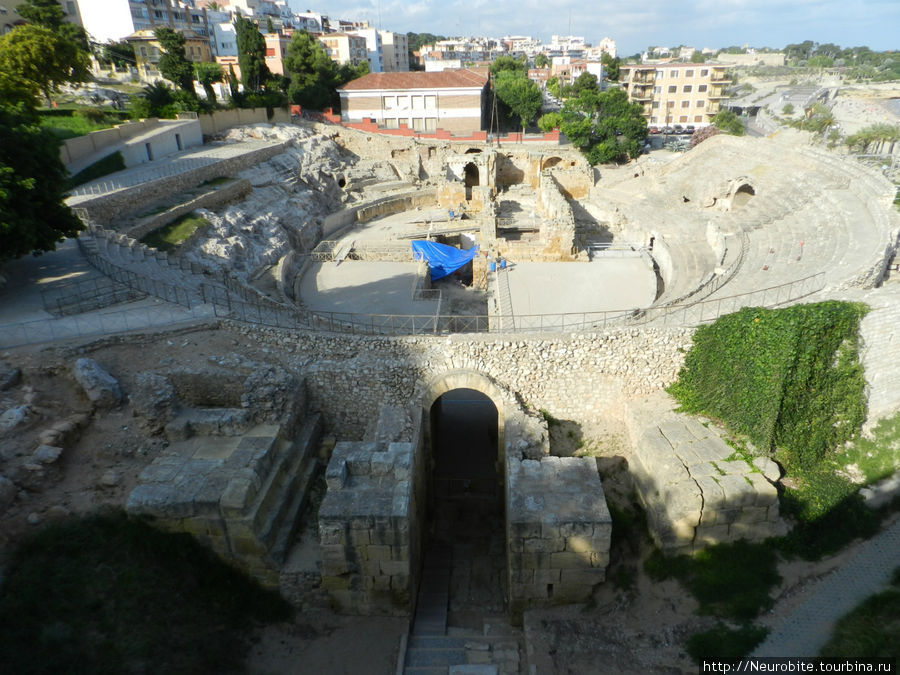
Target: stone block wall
{"points": [[583, 377], [558, 532], [695, 490], [108, 208], [368, 528]]}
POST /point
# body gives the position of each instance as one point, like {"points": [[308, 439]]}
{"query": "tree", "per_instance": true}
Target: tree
{"points": [[819, 61], [173, 64], [33, 216], [611, 63], [729, 122], [251, 47], [50, 15], [698, 57], [585, 81], [549, 122], [314, 76], [541, 60], [605, 126], [208, 73], [521, 95], [121, 53], [46, 13], [553, 87], [34, 60], [508, 63]]}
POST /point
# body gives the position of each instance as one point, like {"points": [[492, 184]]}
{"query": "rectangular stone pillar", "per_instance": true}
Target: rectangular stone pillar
{"points": [[558, 530]]}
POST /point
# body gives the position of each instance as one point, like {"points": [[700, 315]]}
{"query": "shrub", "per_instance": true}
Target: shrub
{"points": [[788, 377], [723, 642]]}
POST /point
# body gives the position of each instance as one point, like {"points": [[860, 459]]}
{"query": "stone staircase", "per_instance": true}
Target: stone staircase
{"points": [[241, 494], [435, 648]]}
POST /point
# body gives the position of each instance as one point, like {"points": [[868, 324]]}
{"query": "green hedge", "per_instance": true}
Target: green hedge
{"points": [[787, 378]]}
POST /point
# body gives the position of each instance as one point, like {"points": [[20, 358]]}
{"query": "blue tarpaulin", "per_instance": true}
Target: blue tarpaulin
{"points": [[442, 259]]}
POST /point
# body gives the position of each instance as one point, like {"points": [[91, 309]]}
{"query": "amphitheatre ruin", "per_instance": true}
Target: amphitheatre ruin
{"points": [[429, 405]]}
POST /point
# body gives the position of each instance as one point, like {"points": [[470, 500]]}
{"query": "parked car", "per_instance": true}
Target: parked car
{"points": [[678, 129], [689, 129], [653, 130]]}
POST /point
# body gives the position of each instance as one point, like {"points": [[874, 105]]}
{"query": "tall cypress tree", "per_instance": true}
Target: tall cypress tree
{"points": [[251, 46]]}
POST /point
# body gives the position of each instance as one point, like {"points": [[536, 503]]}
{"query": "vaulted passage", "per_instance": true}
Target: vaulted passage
{"points": [[466, 504]]}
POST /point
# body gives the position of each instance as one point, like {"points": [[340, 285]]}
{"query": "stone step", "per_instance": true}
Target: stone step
{"points": [[284, 492]]}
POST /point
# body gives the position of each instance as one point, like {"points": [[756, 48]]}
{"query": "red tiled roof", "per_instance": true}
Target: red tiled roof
{"points": [[446, 79]]}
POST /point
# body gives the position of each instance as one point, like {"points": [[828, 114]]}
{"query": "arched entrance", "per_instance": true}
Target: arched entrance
{"points": [[742, 195], [466, 526], [471, 178]]}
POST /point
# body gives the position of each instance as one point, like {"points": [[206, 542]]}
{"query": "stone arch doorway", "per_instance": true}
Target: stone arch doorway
{"points": [[465, 528], [742, 195], [471, 178]]}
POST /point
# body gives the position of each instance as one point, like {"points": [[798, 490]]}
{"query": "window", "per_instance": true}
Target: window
{"points": [[430, 104], [683, 118], [701, 88], [686, 89], [670, 104], [658, 74], [655, 105], [673, 73], [698, 118], [418, 103], [652, 120], [673, 88], [418, 124], [390, 102], [657, 90], [704, 73], [431, 123], [689, 73], [157, 14], [701, 103], [685, 104], [391, 123]]}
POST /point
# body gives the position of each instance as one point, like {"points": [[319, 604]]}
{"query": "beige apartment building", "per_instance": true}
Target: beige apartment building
{"points": [[394, 52], [676, 93], [344, 48]]}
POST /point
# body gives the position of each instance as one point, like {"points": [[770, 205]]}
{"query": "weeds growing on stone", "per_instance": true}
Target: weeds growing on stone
{"points": [[110, 594], [168, 237]]}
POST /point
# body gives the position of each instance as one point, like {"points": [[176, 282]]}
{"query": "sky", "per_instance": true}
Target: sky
{"points": [[637, 25]]}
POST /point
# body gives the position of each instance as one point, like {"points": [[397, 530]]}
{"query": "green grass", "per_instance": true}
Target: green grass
{"points": [[723, 642], [872, 630], [169, 237], [64, 127], [729, 580], [110, 594]]}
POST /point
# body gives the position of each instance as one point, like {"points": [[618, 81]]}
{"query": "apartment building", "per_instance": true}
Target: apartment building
{"points": [[112, 20], [676, 93], [453, 100], [147, 51], [394, 52], [344, 48]]}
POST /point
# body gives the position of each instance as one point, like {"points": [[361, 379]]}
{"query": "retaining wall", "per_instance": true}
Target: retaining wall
{"points": [[380, 207], [210, 200], [222, 120], [109, 207]]}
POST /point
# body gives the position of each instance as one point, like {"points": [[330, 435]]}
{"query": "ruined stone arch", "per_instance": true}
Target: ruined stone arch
{"points": [[550, 162], [472, 178], [743, 194], [470, 379]]}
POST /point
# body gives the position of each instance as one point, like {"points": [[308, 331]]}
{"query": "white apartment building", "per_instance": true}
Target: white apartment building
{"points": [[374, 50], [113, 20]]}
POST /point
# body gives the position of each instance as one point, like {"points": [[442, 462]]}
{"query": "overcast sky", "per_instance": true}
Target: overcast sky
{"points": [[635, 25]]}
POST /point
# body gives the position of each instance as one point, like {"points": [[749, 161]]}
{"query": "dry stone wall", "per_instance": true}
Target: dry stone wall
{"points": [[582, 377]]}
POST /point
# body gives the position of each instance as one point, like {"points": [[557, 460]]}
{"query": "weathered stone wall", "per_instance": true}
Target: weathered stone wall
{"points": [[220, 120], [582, 377], [377, 208], [209, 200], [366, 528], [558, 530], [558, 230], [106, 209]]}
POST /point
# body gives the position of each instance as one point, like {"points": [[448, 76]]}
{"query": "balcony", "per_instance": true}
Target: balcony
{"points": [[717, 93]]}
